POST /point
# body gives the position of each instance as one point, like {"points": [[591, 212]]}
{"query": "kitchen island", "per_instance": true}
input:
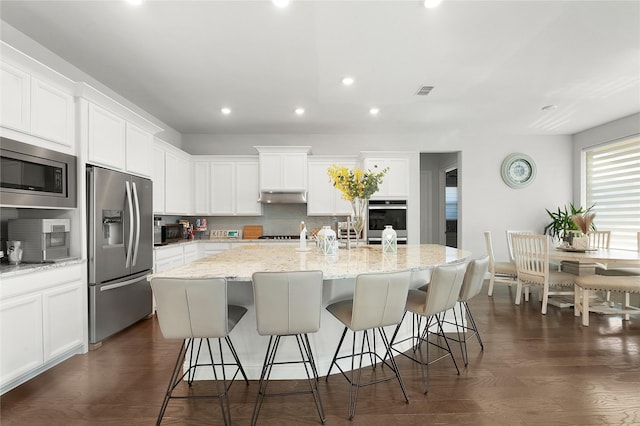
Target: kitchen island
{"points": [[238, 265]]}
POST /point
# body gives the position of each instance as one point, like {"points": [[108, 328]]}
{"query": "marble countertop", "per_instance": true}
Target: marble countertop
{"points": [[7, 270], [239, 263]]}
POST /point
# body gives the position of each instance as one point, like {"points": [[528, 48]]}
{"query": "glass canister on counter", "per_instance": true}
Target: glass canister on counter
{"points": [[326, 242], [389, 240]]}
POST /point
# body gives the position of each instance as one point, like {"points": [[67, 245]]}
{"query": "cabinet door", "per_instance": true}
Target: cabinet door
{"points": [[107, 135], [52, 113], [177, 184], [62, 310], [294, 171], [15, 95], [201, 188], [321, 199], [396, 181], [139, 144], [271, 171], [21, 334], [247, 189], [222, 188], [158, 179]]}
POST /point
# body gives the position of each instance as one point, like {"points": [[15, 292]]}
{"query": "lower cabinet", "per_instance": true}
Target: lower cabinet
{"points": [[42, 322]]}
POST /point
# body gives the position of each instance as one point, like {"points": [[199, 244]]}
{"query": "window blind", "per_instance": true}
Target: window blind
{"points": [[613, 188]]}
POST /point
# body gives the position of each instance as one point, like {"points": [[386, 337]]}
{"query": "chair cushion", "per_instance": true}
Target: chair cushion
{"points": [[613, 272], [235, 314], [555, 278], [630, 284], [505, 268], [416, 300], [343, 311]]}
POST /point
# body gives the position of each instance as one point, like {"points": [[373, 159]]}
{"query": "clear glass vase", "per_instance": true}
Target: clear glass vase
{"points": [[358, 219]]}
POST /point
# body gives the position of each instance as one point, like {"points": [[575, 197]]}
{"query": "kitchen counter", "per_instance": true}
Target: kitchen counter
{"points": [[7, 270], [238, 264]]}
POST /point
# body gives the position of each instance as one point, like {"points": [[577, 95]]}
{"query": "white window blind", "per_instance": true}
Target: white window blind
{"points": [[613, 188]]}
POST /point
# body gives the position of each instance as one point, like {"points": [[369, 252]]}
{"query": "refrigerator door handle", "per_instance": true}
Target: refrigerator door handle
{"points": [[137, 243], [122, 284], [130, 246]]}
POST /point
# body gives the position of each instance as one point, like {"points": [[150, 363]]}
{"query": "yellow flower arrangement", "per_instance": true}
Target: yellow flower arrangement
{"points": [[356, 183]]}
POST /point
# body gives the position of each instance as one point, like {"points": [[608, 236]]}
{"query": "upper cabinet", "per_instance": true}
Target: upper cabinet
{"points": [[283, 168], [117, 143], [323, 199], [227, 186], [177, 181], [36, 109], [395, 184]]}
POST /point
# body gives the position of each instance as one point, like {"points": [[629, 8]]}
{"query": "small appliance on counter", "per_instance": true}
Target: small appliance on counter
{"points": [[43, 240]]}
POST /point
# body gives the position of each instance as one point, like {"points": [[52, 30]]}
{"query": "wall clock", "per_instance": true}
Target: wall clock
{"points": [[518, 170]]}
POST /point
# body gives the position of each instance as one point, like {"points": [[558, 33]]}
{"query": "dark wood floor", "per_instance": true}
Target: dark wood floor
{"points": [[534, 370]]}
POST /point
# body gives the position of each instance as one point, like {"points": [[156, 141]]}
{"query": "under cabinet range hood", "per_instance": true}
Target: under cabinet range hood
{"points": [[283, 197]]}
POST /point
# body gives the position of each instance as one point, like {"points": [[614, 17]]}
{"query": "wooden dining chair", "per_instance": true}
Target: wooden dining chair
{"points": [[499, 272], [532, 266]]}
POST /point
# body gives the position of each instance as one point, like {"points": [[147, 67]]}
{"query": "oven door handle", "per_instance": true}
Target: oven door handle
{"points": [[387, 207]]}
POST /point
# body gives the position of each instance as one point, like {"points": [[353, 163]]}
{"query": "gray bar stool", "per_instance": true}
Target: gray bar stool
{"points": [[191, 309], [288, 304], [440, 295], [378, 301]]}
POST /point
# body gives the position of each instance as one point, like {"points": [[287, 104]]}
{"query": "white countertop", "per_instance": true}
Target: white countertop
{"points": [[28, 268], [241, 262]]}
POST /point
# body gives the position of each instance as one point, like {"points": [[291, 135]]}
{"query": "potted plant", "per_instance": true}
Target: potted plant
{"points": [[562, 222]]}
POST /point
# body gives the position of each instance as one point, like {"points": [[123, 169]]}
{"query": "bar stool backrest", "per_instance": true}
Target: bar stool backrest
{"points": [[287, 302], [474, 278], [379, 299], [191, 308], [444, 289]]}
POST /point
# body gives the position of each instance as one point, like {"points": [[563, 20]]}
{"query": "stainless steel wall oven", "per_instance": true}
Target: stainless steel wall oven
{"points": [[386, 212]]}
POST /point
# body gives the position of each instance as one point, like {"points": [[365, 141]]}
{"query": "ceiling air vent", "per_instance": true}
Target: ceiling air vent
{"points": [[424, 90]]}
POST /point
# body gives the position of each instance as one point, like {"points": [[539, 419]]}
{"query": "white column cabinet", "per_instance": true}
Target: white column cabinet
{"points": [[202, 187], [177, 182], [395, 183], [323, 199]]}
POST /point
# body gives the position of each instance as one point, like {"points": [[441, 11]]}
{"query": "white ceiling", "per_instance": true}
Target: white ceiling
{"points": [[493, 64]]}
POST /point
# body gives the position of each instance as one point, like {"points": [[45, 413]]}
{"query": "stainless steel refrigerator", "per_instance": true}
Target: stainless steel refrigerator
{"points": [[120, 236]]}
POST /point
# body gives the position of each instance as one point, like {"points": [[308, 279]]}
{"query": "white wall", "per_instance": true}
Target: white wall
{"points": [[487, 204]]}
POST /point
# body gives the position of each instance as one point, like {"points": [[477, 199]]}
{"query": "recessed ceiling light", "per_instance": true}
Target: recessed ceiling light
{"points": [[281, 3], [549, 107], [348, 81], [299, 111], [429, 4], [374, 111], [226, 111]]}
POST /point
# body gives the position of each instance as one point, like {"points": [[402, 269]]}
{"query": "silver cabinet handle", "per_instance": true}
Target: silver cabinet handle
{"points": [[122, 284]]}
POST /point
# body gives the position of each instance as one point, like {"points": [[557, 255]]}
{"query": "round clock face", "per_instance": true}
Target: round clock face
{"points": [[518, 170]]}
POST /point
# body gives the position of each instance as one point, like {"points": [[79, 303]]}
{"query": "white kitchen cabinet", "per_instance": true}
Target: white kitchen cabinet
{"points": [[168, 257], [283, 168], [395, 183], [15, 95], [158, 177], [52, 113], [21, 327], [38, 108], [138, 146], [43, 321], [107, 138], [211, 249], [191, 253], [202, 187], [61, 308], [234, 187], [323, 199], [177, 182]]}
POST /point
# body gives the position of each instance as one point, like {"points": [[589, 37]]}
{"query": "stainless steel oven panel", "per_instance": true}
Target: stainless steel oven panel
{"points": [[378, 241], [381, 213]]}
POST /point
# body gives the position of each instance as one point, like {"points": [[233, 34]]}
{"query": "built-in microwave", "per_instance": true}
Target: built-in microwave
{"points": [[31, 176]]}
